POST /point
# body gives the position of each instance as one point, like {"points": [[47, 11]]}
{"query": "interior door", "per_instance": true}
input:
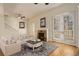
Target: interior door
{"points": [[68, 27]]}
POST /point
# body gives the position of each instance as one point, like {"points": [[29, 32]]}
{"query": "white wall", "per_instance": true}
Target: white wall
{"points": [[13, 21], [78, 27], [1, 20], [49, 17]]}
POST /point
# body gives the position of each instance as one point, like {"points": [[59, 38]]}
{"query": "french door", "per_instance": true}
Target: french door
{"points": [[63, 26]]}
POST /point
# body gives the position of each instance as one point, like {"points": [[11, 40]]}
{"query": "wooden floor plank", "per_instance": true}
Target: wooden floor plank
{"points": [[1, 54], [62, 50]]}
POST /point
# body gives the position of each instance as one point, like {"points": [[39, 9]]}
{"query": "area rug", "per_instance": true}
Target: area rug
{"points": [[40, 51]]}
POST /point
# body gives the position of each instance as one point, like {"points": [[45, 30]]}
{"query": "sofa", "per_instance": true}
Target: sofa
{"points": [[10, 45]]}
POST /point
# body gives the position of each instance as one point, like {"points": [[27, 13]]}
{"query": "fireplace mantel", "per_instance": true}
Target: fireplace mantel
{"points": [[41, 31]]}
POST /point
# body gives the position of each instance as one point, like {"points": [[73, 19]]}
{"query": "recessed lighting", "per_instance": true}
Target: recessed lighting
{"points": [[46, 3], [35, 3]]}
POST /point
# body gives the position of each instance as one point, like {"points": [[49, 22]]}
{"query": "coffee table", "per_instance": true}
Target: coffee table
{"points": [[34, 44]]}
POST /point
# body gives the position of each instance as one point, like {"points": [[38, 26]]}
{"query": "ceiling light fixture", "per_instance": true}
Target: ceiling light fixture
{"points": [[35, 3], [21, 16], [44, 3]]}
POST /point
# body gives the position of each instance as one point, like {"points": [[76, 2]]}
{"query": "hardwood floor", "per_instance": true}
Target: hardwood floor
{"points": [[62, 50], [1, 54]]}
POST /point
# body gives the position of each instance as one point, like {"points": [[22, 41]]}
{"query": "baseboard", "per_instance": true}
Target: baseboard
{"points": [[59, 41]]}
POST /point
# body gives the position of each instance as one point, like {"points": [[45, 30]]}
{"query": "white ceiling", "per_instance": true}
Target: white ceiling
{"points": [[27, 9]]}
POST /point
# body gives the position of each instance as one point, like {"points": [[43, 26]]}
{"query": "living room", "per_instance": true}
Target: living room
{"points": [[38, 29]]}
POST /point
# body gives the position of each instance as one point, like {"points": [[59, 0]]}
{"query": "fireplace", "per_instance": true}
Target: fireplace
{"points": [[42, 35]]}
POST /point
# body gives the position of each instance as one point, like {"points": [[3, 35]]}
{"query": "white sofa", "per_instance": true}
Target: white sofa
{"points": [[9, 47]]}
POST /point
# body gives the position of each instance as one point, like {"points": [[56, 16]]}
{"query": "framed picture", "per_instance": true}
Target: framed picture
{"points": [[43, 22], [21, 24]]}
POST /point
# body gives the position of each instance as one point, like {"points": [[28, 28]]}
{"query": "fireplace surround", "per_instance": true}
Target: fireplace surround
{"points": [[42, 35]]}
